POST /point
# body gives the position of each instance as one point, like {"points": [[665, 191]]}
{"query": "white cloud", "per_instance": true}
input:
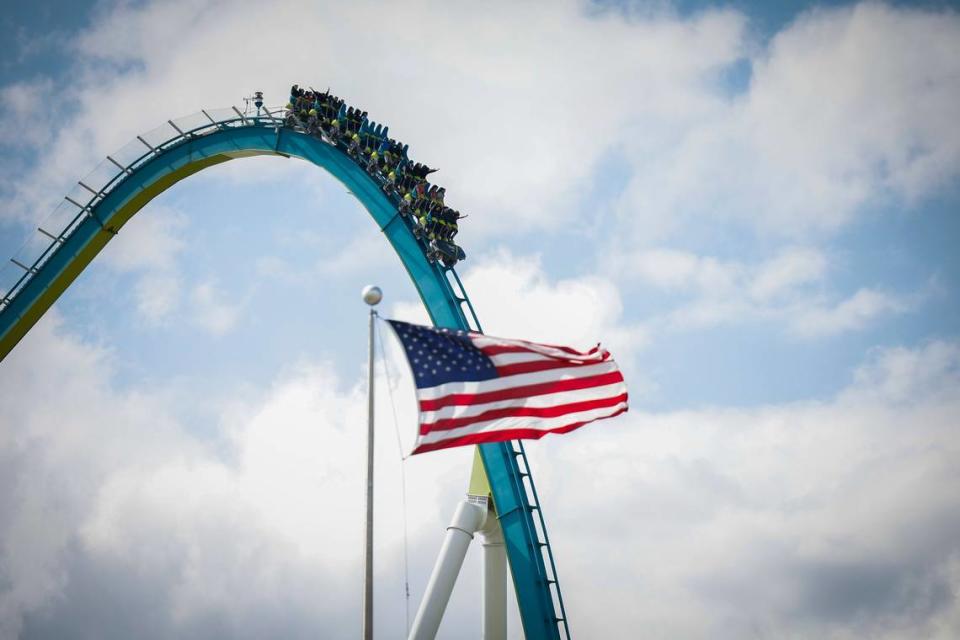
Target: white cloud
{"points": [[212, 311], [850, 314], [157, 295], [362, 253], [834, 120], [20, 125], [880, 116], [149, 246], [672, 269], [799, 150], [64, 431], [896, 374], [250, 526], [822, 520], [829, 520], [786, 271], [517, 298], [683, 271], [152, 240], [549, 85], [787, 288]]}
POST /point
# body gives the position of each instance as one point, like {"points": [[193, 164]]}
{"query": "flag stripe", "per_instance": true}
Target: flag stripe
{"points": [[508, 424], [494, 344], [517, 392], [546, 400], [585, 371], [512, 357], [497, 350], [522, 412], [538, 365]]}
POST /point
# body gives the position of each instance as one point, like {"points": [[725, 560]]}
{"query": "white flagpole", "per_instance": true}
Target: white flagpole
{"points": [[372, 296]]}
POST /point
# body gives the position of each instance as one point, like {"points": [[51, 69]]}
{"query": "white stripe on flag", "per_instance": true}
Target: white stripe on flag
{"points": [[539, 424], [521, 379], [502, 359], [481, 342], [541, 401]]}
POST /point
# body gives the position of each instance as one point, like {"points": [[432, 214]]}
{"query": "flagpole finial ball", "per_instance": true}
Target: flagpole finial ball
{"points": [[372, 294]]}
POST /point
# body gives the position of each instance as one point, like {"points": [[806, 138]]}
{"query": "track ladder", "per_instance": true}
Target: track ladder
{"points": [[529, 489]]}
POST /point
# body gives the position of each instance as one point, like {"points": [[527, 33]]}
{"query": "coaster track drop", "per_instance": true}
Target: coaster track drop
{"points": [[96, 209]]}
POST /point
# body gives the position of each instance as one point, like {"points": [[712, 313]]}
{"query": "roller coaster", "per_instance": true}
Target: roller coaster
{"points": [[95, 210]]}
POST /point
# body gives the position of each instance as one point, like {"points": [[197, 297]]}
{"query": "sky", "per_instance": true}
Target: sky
{"points": [[752, 205]]}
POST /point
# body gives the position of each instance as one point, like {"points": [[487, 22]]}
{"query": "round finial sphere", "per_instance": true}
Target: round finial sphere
{"points": [[372, 294]]}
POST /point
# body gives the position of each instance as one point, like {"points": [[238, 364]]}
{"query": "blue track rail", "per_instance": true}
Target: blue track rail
{"points": [[161, 161]]}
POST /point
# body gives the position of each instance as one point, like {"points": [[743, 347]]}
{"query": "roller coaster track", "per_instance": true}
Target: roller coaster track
{"points": [[98, 206]]}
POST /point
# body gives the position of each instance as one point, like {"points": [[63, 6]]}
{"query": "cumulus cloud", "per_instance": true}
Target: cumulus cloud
{"points": [[245, 528], [59, 458], [789, 288], [852, 313], [151, 244], [673, 269], [829, 520], [822, 519], [517, 298], [885, 122], [542, 101], [157, 295], [20, 126], [153, 239], [791, 268], [833, 120], [800, 149], [211, 310], [797, 150]]}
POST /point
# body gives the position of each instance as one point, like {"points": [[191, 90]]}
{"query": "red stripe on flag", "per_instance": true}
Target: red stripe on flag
{"points": [[497, 349], [522, 412], [509, 434], [521, 392], [541, 365]]}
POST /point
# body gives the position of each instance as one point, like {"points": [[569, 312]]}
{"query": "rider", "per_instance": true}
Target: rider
{"points": [[313, 121], [451, 216]]}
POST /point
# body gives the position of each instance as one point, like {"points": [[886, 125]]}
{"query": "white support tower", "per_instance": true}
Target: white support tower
{"points": [[475, 514], [494, 580]]}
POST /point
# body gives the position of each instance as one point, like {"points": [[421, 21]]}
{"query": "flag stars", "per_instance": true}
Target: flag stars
{"points": [[443, 355]]}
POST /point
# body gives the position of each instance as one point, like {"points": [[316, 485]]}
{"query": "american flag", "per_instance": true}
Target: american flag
{"points": [[473, 388]]}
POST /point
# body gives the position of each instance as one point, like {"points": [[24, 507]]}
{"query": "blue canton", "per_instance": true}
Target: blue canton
{"points": [[438, 356]]}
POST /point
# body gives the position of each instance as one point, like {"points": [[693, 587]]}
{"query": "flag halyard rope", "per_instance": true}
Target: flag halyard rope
{"points": [[403, 475]]}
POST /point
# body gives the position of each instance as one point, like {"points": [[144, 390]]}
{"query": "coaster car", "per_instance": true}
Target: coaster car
{"points": [[445, 252]]}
